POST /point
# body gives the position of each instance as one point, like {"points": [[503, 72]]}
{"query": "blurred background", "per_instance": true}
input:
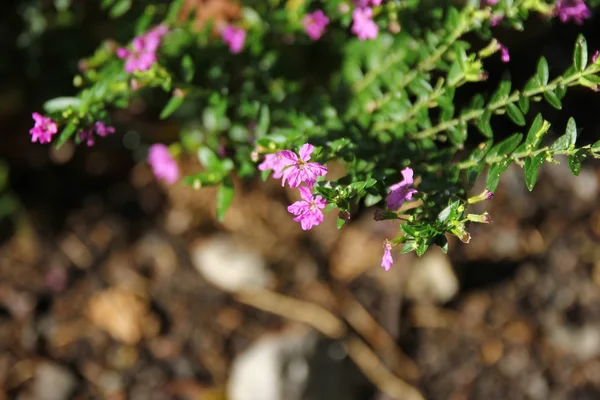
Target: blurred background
{"points": [[113, 286]]}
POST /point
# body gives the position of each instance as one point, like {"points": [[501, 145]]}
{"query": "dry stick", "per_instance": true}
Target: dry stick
{"points": [[331, 326]]}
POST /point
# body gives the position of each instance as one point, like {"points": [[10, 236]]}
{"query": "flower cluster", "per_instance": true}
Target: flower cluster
{"points": [[99, 128], [234, 38], [295, 169], [363, 25], [572, 10], [163, 164], [314, 24], [43, 129], [142, 55]]}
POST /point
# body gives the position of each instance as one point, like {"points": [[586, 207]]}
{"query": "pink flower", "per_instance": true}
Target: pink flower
{"points": [[162, 163], [366, 3], [595, 56], [504, 54], [87, 136], [314, 24], [102, 129], [298, 170], [496, 20], [400, 192], [363, 26], [308, 210], [43, 129], [274, 162], [143, 53], [234, 37], [490, 2], [387, 261], [574, 10]]}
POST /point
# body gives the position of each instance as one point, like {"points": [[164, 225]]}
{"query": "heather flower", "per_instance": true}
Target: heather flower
{"points": [[234, 38], [494, 21], [363, 26], [142, 55], [504, 54], [314, 24], [43, 129], [308, 210], [490, 2], [366, 3], [274, 162], [387, 260], [162, 163], [575, 10], [401, 191], [87, 136], [595, 56], [485, 195], [102, 129], [299, 170]]}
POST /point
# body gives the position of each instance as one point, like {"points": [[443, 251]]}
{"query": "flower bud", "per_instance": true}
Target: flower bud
{"points": [[485, 195], [480, 218]]}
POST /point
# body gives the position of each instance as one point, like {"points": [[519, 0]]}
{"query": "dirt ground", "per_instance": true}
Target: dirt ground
{"points": [[109, 297]]}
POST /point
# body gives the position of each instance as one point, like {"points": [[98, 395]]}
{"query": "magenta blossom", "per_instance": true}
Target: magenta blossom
{"points": [[362, 24], [99, 128], [102, 129], [595, 56], [401, 191], [308, 210], [504, 54], [575, 10], [387, 260], [142, 55], [366, 3], [274, 162], [43, 129], [234, 37], [163, 164], [314, 24], [299, 170]]}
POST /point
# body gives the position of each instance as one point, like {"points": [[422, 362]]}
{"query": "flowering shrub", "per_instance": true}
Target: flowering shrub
{"points": [[385, 110]]}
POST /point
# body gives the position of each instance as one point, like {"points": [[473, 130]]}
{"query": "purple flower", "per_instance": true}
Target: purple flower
{"points": [[595, 56], [234, 37], [162, 163], [87, 136], [496, 20], [366, 3], [102, 129], [43, 129], [142, 55], [308, 210], [274, 162], [490, 2], [387, 260], [574, 10], [504, 54], [363, 26], [400, 192], [298, 170], [314, 24]]}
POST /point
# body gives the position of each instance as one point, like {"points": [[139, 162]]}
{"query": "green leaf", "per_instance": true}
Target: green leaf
{"points": [[120, 8], [495, 172], [574, 164], [201, 179], [144, 22], [524, 104], [567, 140], [483, 124], [553, 100], [532, 166], [542, 71], [106, 3], [580, 54], [62, 103], [187, 68], [66, 134], [596, 147], [502, 92], [534, 130], [174, 10], [340, 222], [262, 127], [224, 198], [515, 114], [172, 105], [209, 159], [504, 148]]}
